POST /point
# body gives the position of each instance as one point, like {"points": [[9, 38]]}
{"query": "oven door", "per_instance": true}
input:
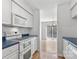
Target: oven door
{"points": [[26, 54]]}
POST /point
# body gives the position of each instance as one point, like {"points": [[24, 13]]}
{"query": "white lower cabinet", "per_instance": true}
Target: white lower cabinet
{"points": [[65, 48], [33, 45], [12, 56], [72, 52], [10, 52], [69, 51]]}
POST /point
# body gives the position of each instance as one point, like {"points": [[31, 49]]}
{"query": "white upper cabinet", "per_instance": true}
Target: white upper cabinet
{"points": [[73, 8], [16, 9], [18, 20], [29, 21], [74, 11], [6, 11], [21, 17], [73, 2]]}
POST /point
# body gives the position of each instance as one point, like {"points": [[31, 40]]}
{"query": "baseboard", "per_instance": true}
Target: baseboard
{"points": [[60, 55]]}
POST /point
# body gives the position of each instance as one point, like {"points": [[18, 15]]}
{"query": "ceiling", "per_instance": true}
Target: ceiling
{"points": [[48, 8], [45, 4]]}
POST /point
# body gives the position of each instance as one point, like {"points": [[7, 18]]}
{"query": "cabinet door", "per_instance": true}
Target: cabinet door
{"points": [[73, 3], [72, 52], [6, 11], [65, 48], [9, 50], [33, 44], [29, 21], [21, 21], [18, 20], [12, 56], [74, 11], [17, 9]]}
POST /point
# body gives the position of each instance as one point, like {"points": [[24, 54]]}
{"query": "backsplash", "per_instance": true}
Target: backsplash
{"points": [[14, 30]]}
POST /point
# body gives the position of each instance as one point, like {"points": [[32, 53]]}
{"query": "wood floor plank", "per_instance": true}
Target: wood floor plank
{"points": [[36, 55]]}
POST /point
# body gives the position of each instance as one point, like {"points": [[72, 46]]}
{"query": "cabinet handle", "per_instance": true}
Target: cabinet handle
{"points": [[23, 45]]}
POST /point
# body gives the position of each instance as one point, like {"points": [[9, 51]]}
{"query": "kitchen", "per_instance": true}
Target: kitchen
{"points": [[47, 27]]}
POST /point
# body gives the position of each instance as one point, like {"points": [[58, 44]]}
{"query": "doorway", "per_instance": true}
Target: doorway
{"points": [[48, 47]]}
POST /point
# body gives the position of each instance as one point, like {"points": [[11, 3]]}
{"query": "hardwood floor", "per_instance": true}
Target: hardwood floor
{"points": [[61, 57], [36, 55]]}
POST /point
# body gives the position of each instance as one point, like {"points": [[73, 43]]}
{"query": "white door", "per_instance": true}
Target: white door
{"points": [[6, 11]]}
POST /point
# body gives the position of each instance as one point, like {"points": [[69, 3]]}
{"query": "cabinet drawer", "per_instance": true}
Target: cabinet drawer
{"points": [[9, 50]]}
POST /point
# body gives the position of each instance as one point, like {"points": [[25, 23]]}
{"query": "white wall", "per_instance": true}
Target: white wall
{"points": [[7, 29], [36, 26], [66, 25], [49, 14]]}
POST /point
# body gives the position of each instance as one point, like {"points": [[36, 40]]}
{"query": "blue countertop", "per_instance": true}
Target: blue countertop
{"points": [[8, 43], [72, 40]]}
